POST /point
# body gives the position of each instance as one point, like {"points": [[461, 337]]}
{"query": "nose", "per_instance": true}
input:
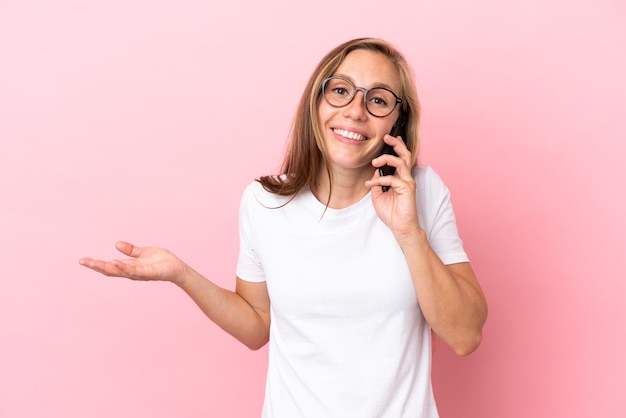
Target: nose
{"points": [[356, 108]]}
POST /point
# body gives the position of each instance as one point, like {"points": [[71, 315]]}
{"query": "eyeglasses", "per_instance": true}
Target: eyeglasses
{"points": [[379, 101]]}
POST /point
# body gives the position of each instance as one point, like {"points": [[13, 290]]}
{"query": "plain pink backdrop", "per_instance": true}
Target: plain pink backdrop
{"points": [[143, 120]]}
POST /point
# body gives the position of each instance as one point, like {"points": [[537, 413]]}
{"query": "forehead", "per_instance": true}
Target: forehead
{"points": [[369, 69]]}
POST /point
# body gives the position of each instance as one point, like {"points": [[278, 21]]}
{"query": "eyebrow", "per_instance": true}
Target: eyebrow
{"points": [[373, 87]]}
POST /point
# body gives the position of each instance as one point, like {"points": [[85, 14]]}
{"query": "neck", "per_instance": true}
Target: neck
{"points": [[347, 187]]}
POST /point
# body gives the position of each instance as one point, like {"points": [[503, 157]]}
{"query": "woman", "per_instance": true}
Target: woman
{"points": [[343, 270]]}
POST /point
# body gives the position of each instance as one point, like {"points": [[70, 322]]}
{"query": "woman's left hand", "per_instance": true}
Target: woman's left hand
{"points": [[396, 207]]}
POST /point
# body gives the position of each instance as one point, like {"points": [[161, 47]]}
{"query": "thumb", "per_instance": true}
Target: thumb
{"points": [[128, 249]]}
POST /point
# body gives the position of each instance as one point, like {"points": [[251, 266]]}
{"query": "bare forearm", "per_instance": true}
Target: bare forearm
{"points": [[229, 310], [449, 296]]}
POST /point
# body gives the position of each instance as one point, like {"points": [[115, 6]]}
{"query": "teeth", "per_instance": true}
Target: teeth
{"points": [[350, 135]]}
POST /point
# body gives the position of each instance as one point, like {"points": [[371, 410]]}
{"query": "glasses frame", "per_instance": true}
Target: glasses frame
{"points": [[363, 90]]}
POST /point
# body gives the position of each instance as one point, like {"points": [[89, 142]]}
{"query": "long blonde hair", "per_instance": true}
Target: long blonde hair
{"points": [[305, 155]]}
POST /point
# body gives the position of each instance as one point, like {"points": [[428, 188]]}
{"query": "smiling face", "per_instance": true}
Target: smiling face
{"points": [[351, 136]]}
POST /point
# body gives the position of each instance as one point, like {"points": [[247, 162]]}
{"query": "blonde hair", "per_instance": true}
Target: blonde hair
{"points": [[305, 155]]}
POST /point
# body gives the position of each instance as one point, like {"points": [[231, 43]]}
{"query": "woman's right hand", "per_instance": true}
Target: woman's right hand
{"points": [[146, 263]]}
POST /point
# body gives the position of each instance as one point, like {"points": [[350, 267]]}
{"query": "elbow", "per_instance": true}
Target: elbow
{"points": [[468, 345], [255, 344], [470, 340]]}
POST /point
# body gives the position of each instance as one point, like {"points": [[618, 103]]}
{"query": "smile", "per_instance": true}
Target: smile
{"points": [[350, 135]]}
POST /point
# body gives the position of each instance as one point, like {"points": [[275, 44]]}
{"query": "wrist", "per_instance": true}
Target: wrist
{"points": [[414, 239], [183, 276]]}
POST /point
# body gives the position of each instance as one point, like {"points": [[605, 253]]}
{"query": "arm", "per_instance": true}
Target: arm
{"points": [[244, 313], [450, 297]]}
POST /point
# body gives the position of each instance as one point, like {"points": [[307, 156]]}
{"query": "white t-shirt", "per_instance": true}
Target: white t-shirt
{"points": [[347, 337]]}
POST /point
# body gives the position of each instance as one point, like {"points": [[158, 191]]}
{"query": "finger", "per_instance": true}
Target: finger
{"points": [[103, 267], [126, 268], [377, 181], [400, 147], [128, 249], [402, 177], [403, 170], [382, 183], [395, 141], [113, 268], [387, 159]]}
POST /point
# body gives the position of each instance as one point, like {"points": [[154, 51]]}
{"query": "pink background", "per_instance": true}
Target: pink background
{"points": [[143, 120]]}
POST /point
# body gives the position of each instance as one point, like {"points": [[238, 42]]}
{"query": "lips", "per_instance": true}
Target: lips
{"points": [[350, 135]]}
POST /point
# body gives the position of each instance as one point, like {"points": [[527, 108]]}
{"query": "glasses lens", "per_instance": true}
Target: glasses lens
{"points": [[338, 92], [380, 102]]}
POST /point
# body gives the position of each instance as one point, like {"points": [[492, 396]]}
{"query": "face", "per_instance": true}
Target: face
{"points": [[352, 136]]}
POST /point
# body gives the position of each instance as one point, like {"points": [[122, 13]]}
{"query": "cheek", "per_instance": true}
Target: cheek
{"points": [[388, 127], [324, 112]]}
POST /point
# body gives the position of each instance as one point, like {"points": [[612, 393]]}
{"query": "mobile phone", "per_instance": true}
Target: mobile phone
{"points": [[396, 130]]}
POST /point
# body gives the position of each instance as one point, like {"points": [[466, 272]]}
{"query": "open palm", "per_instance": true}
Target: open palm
{"points": [[144, 264]]}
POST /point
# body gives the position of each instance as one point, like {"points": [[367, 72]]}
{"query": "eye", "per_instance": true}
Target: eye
{"points": [[340, 91], [380, 98], [340, 86], [378, 101]]}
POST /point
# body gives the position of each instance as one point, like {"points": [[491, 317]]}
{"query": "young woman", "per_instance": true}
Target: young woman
{"points": [[343, 270]]}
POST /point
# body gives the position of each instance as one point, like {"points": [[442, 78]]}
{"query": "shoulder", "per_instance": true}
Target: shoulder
{"points": [[433, 197], [428, 181], [436, 216], [256, 197]]}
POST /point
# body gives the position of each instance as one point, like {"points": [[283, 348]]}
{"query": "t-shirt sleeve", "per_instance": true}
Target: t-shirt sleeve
{"points": [[249, 267], [437, 217]]}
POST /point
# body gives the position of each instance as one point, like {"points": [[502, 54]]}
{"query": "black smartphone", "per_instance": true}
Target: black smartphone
{"points": [[396, 130]]}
